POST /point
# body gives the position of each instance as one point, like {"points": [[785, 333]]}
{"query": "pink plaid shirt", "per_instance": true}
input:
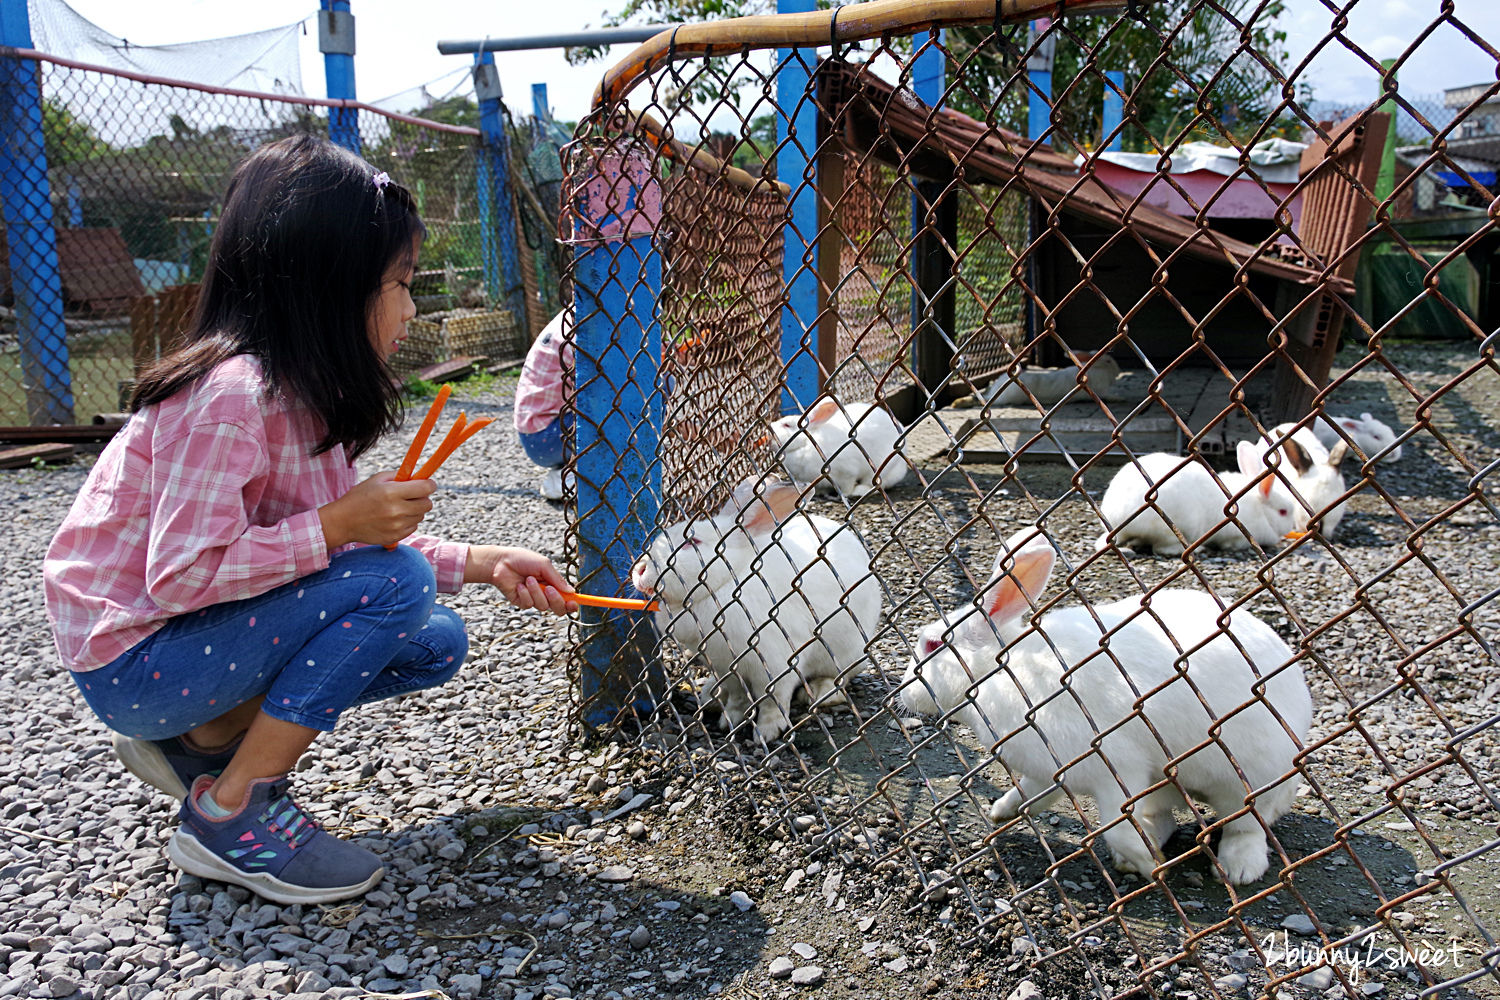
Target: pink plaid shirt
{"points": [[544, 379], [207, 497]]}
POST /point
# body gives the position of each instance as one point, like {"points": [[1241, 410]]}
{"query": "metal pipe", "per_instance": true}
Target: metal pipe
{"points": [[591, 36]]}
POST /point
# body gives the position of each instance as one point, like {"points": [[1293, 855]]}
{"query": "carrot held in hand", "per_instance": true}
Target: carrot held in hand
{"points": [[409, 463], [618, 603], [449, 445]]}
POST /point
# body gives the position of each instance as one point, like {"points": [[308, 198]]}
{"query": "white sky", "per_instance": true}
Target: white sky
{"points": [[397, 41]]}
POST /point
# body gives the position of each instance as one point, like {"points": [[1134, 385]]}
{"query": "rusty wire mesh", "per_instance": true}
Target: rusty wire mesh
{"points": [[136, 170], [1374, 805]]}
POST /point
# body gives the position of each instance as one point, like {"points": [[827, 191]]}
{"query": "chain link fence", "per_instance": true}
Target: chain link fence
{"points": [[128, 182], [1128, 671]]}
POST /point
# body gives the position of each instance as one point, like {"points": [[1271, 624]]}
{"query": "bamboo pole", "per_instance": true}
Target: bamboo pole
{"points": [[843, 25]]}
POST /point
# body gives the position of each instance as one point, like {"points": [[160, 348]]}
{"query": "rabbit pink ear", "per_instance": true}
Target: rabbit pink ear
{"points": [[1026, 569], [760, 513], [823, 411]]}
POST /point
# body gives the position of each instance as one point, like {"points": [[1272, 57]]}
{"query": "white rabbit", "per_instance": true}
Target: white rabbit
{"points": [[768, 607], [1050, 385], [849, 447], [1064, 699], [1318, 479], [1190, 500], [1369, 435]]}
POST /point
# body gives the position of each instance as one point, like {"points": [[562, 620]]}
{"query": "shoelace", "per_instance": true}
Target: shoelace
{"points": [[285, 818]]}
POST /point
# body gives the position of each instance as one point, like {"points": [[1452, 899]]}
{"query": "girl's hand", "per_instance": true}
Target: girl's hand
{"points": [[378, 511], [526, 578]]}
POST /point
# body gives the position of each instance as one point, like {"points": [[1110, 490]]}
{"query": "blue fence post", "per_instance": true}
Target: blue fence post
{"points": [[26, 193], [1039, 72], [540, 109], [1114, 110], [617, 281], [336, 42], [796, 166], [497, 207]]}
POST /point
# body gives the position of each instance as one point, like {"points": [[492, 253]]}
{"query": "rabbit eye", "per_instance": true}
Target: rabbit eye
{"points": [[930, 646]]}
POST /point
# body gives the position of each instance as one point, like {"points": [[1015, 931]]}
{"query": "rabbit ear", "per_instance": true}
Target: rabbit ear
{"points": [[1301, 460], [1337, 453], [1026, 572], [823, 411], [1252, 462], [761, 510], [1021, 571]]}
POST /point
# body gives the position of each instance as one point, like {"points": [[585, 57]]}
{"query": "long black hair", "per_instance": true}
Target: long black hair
{"points": [[307, 235]]}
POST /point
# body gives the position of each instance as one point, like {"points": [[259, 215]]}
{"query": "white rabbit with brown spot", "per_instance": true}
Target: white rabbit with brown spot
{"points": [[1150, 496], [772, 598], [1110, 701]]}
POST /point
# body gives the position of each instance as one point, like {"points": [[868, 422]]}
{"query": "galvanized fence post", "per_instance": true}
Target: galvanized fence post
{"points": [[336, 42], [497, 207], [616, 335], [797, 138], [36, 279]]}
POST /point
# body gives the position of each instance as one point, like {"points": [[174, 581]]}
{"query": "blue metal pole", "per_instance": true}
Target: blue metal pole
{"points": [[336, 42], [796, 165], [540, 109], [1039, 72], [929, 77], [617, 431], [26, 193], [1114, 109], [502, 252]]}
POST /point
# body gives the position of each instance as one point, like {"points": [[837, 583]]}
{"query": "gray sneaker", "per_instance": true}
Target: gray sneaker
{"points": [[271, 847]]}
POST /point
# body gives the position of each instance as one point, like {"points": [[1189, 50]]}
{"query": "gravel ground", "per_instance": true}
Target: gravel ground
{"points": [[527, 862]]}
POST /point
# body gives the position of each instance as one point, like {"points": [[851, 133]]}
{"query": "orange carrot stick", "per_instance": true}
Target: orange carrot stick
{"points": [[475, 428], [619, 603], [449, 444], [420, 441]]}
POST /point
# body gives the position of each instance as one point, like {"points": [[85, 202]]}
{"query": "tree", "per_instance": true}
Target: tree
{"points": [[1192, 71], [1213, 73], [66, 137]]}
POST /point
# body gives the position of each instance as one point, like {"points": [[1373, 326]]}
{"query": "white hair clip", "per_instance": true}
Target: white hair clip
{"points": [[381, 180]]}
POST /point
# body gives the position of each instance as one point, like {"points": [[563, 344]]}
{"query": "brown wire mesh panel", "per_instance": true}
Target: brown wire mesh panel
{"points": [[1157, 658]]}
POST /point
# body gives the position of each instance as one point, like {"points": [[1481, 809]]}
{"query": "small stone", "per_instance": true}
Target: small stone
{"points": [[808, 975], [1317, 979], [1022, 945], [465, 984], [640, 937], [741, 902], [1025, 990], [1300, 923], [636, 830], [1371, 988], [897, 964], [805, 950], [781, 967], [1231, 982], [616, 874], [866, 924], [396, 964]]}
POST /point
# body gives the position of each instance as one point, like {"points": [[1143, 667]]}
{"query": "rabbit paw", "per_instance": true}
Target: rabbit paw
{"points": [[1007, 806], [772, 724], [1243, 859], [824, 695]]}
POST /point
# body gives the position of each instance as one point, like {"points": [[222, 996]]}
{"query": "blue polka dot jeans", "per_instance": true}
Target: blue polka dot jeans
{"points": [[364, 629]]}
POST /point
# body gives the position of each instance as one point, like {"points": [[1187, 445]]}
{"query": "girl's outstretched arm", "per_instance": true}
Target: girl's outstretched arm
{"points": [[526, 578]]}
